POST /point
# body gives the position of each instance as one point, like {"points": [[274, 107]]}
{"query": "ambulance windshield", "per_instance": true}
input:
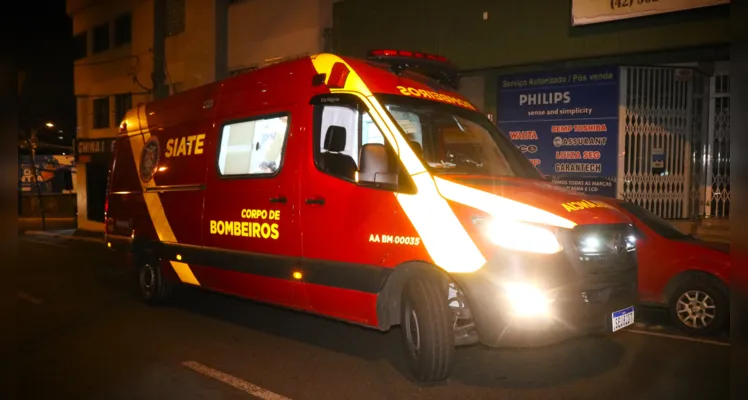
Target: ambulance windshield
{"points": [[453, 140]]}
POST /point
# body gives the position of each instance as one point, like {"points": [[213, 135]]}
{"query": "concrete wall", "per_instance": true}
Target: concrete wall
{"points": [[514, 32], [487, 38], [262, 30], [111, 72], [258, 31]]}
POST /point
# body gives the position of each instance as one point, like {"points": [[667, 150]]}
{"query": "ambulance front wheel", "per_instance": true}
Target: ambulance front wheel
{"points": [[155, 289], [426, 326]]}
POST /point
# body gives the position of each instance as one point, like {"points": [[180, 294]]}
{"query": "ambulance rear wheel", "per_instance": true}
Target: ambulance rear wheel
{"points": [[426, 326], [155, 289]]}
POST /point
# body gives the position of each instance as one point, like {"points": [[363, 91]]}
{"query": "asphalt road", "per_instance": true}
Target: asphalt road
{"points": [[84, 335]]}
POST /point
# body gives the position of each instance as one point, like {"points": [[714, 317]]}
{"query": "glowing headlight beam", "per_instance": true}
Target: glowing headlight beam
{"points": [[497, 206], [521, 236], [527, 300]]}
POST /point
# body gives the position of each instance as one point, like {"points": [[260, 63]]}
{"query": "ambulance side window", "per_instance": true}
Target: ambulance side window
{"points": [[253, 147], [350, 146]]}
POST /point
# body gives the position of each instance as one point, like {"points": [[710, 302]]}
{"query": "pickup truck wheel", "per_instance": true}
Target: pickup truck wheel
{"points": [[426, 326], [699, 308], [154, 288]]}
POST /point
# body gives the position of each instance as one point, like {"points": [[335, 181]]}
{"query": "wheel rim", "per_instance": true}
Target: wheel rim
{"points": [[413, 331], [147, 279], [696, 309]]}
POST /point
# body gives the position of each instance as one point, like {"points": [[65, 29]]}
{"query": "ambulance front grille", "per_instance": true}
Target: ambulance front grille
{"points": [[603, 252]]}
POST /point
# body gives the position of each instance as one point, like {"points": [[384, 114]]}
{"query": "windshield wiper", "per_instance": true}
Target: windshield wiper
{"points": [[442, 164]]}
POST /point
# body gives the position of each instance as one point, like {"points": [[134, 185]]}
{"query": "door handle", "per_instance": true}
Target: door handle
{"points": [[315, 200], [279, 199]]}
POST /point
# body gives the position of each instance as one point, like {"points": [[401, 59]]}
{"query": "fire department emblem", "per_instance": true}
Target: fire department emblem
{"points": [[149, 160]]}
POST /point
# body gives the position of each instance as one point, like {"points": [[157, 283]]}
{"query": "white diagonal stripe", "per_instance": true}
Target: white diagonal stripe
{"points": [[233, 381]]}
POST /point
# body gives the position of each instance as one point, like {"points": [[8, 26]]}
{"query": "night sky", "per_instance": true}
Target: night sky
{"points": [[45, 53]]}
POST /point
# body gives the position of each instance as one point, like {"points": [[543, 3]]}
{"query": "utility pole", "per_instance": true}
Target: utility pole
{"points": [[221, 29], [21, 81], [34, 143]]}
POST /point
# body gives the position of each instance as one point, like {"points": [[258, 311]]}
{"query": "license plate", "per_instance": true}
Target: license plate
{"points": [[623, 318]]}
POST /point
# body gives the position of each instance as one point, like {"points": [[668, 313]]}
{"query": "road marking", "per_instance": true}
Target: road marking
{"points": [[31, 299], [679, 337], [231, 380], [44, 242]]}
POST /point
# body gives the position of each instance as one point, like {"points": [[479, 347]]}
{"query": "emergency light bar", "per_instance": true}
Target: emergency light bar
{"points": [[436, 67], [407, 54]]}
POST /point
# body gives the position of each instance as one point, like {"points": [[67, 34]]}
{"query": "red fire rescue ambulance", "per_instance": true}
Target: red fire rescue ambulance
{"points": [[370, 192]]}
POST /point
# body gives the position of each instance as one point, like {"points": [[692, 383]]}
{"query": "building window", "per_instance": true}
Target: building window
{"points": [[253, 147], [123, 30], [101, 113], [101, 38], [122, 103], [175, 17], [80, 45]]}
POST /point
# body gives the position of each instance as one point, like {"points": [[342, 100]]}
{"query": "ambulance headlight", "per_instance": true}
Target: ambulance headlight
{"points": [[521, 236], [526, 300]]}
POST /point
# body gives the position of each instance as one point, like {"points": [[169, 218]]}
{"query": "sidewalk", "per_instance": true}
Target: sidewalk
{"points": [[70, 234], [35, 223]]}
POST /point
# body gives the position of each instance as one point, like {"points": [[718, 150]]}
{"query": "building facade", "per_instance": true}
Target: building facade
{"points": [[192, 42], [668, 63]]}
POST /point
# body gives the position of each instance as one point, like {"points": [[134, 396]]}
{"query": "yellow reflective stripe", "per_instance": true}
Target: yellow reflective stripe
{"points": [[442, 234], [184, 272], [323, 63], [153, 201], [499, 207], [408, 157]]}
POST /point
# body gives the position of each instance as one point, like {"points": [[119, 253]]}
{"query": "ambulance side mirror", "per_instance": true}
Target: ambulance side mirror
{"points": [[376, 167]]}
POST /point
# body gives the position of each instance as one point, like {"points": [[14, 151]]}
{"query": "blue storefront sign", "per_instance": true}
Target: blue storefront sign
{"points": [[54, 174], [566, 123]]}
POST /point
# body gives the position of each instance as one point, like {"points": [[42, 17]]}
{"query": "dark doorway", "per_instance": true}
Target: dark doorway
{"points": [[96, 180]]}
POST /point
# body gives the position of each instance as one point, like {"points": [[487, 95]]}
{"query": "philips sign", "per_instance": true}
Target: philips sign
{"points": [[533, 99]]}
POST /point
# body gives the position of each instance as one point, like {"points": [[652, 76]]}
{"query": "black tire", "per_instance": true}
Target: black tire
{"points": [[693, 301], [154, 288], [426, 327]]}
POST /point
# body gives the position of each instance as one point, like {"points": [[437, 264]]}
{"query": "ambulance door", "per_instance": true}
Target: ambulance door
{"points": [[344, 213], [250, 224]]}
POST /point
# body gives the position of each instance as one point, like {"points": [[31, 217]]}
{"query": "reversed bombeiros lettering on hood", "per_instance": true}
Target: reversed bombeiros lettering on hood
{"points": [[431, 95], [584, 205]]}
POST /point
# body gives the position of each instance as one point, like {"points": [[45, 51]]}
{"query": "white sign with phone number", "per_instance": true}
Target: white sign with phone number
{"points": [[585, 12]]}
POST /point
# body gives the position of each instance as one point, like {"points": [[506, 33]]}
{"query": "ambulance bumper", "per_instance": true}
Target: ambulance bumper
{"points": [[528, 300]]}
